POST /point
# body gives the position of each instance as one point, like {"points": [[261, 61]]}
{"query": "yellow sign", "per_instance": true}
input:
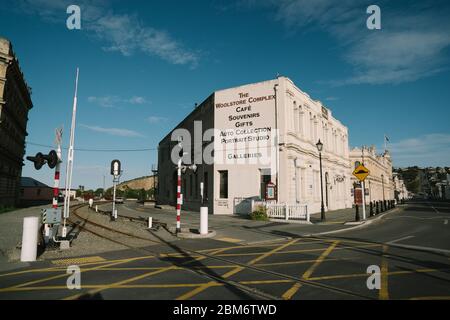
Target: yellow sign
{"points": [[361, 172]]}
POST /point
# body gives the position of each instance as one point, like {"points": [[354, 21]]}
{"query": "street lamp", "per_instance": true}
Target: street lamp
{"points": [[155, 171], [319, 146]]}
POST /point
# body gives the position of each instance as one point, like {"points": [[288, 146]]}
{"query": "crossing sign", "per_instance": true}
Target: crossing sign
{"points": [[361, 172]]}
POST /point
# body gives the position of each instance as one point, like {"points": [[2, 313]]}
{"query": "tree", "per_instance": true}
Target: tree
{"points": [[99, 192]]}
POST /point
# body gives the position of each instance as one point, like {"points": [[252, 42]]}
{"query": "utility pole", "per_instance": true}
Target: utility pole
{"points": [[70, 160], [363, 184], [179, 200], [155, 171]]}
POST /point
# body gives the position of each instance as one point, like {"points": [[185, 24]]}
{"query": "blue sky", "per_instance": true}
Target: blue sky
{"points": [[144, 64]]}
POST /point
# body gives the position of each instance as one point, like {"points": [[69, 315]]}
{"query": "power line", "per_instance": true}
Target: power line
{"points": [[146, 149], [95, 150]]}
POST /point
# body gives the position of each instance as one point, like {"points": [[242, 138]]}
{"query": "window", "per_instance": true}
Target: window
{"points": [[223, 180]]}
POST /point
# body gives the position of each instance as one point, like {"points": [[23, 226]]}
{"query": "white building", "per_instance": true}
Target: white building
{"points": [[379, 184], [250, 121], [400, 191]]}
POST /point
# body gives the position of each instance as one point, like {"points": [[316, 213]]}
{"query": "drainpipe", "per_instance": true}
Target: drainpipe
{"points": [[296, 180], [275, 88]]}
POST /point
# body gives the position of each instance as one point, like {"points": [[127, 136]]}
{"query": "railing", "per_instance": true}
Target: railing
{"points": [[284, 211]]}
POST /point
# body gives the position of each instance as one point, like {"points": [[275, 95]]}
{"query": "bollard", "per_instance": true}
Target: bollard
{"points": [[96, 208], [377, 208], [150, 222], [357, 218], [203, 220], [29, 239], [371, 208]]}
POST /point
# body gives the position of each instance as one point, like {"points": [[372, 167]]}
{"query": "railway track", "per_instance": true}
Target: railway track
{"points": [[189, 253]]}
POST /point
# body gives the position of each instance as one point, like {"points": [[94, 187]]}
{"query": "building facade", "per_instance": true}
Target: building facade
{"points": [[33, 192], [15, 103], [400, 191], [379, 184], [257, 135]]}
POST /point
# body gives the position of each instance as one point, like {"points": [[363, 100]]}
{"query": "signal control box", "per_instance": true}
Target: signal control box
{"points": [[51, 216]]}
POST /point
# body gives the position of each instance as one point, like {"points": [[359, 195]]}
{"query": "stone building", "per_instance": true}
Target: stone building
{"points": [[15, 103], [262, 134], [379, 184]]}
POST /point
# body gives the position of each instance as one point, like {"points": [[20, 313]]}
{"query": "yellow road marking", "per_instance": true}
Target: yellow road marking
{"points": [[230, 273], [77, 261], [265, 281], [293, 290], [196, 291], [357, 275], [189, 285], [232, 240], [114, 285], [102, 286], [271, 252], [301, 262], [297, 251], [383, 293], [121, 282], [65, 275]]}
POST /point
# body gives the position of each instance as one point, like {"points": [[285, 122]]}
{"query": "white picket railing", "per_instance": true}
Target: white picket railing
{"points": [[284, 211]]}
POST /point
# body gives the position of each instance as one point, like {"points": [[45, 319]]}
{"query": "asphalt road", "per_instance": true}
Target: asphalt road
{"points": [[411, 248]]}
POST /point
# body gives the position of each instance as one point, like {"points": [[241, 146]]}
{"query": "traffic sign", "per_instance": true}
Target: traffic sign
{"points": [[361, 173]]}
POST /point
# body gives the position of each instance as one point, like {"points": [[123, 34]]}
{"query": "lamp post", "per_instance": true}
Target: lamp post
{"points": [[155, 171], [319, 146]]}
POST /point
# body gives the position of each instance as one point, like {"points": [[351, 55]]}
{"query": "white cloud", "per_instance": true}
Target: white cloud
{"points": [[398, 56], [137, 100], [410, 45], [114, 101], [106, 101], [425, 150], [123, 33], [114, 131], [154, 119]]}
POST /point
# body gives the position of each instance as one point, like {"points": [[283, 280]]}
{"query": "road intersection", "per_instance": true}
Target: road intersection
{"points": [[411, 248]]}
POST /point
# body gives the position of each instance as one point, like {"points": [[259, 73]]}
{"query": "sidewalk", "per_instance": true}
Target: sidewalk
{"points": [[240, 229], [340, 216], [11, 234]]}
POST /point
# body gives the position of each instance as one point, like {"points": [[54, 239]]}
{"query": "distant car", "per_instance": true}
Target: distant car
{"points": [[119, 200]]}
